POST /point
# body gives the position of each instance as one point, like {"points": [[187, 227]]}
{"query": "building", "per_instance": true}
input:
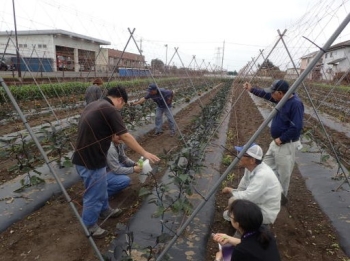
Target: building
{"points": [[110, 59], [336, 61], [66, 50], [315, 73], [292, 73], [333, 64]]}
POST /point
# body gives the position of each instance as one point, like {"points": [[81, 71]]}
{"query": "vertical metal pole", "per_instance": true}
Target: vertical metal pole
{"points": [[166, 55], [47, 161], [222, 58], [17, 50]]}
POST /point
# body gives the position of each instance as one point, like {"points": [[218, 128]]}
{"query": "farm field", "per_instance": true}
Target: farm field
{"points": [[53, 232]]}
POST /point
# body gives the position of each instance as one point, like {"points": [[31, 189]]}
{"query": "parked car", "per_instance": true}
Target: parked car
{"points": [[6, 64]]}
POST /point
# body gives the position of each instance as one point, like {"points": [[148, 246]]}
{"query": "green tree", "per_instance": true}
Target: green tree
{"points": [[268, 65], [157, 64]]}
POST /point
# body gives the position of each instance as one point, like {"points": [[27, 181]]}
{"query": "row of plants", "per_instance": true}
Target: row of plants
{"points": [[172, 195], [34, 100], [334, 102], [19, 155], [54, 90]]}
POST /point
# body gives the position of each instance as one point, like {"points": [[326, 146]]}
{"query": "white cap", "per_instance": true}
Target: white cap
{"points": [[254, 151]]}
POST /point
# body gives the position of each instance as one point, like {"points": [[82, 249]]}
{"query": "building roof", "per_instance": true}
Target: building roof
{"points": [[56, 32], [339, 46], [309, 55], [126, 55], [336, 61]]}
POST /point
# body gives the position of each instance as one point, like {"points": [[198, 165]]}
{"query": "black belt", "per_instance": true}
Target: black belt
{"points": [[290, 141]]}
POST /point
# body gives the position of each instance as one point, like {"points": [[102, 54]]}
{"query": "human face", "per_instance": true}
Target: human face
{"points": [[277, 95], [245, 160], [120, 103], [153, 92], [233, 221]]}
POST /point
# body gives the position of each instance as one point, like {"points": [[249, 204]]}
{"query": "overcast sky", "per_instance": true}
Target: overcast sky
{"points": [[206, 29]]}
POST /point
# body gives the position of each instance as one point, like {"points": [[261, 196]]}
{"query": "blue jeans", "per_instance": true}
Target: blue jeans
{"points": [[95, 198], [159, 119], [116, 183]]}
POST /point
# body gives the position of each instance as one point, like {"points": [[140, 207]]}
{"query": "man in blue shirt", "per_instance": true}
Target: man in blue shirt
{"points": [[164, 99], [285, 130]]}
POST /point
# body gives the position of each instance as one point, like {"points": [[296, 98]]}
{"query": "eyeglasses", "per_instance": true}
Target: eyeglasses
{"points": [[231, 217]]}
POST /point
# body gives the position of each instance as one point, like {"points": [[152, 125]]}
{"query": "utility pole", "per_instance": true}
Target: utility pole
{"points": [[141, 51], [17, 50], [222, 61], [166, 54], [217, 62]]}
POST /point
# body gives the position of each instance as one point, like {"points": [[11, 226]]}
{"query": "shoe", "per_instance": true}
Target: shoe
{"points": [[97, 232], [284, 200], [157, 133], [110, 213]]}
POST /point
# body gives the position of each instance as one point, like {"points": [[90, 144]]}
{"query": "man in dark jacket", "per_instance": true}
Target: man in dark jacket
{"points": [[285, 130], [164, 99]]}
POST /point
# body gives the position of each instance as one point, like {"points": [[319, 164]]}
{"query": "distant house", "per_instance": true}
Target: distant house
{"points": [[336, 60], [292, 73], [315, 73], [114, 59]]}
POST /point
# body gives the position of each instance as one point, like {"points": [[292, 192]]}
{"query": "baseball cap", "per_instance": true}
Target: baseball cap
{"points": [[254, 151], [278, 85], [152, 87]]}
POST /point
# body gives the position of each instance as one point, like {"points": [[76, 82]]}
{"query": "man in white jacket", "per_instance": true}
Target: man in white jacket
{"points": [[119, 167], [259, 185]]}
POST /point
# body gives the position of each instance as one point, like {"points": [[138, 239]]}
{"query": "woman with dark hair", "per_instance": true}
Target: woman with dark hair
{"points": [[257, 243]]}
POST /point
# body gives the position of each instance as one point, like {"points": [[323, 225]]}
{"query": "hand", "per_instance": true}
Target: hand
{"points": [[218, 256], [247, 86], [227, 190], [278, 142], [153, 158], [137, 168], [221, 238]]}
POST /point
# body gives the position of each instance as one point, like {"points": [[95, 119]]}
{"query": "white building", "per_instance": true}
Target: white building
{"points": [[336, 61], [64, 50]]}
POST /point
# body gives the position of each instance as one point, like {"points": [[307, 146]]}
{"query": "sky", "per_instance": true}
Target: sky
{"points": [[209, 34]]}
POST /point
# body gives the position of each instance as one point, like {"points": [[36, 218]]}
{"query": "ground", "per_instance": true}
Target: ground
{"points": [[53, 233]]}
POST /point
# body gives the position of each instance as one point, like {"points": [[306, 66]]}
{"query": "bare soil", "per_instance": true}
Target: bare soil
{"points": [[53, 233]]}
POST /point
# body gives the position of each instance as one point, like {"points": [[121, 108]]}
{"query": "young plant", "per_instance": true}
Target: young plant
{"points": [[57, 143], [22, 150]]}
